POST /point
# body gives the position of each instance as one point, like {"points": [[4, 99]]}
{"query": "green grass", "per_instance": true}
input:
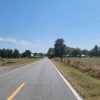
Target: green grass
{"points": [[17, 62], [87, 86]]}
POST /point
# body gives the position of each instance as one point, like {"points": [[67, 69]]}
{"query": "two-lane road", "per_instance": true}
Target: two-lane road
{"points": [[37, 81]]}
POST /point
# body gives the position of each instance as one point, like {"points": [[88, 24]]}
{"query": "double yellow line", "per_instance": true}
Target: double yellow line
{"points": [[16, 92]]}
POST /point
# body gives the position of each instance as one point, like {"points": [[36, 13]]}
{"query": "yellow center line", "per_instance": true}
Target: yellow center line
{"points": [[16, 91]]}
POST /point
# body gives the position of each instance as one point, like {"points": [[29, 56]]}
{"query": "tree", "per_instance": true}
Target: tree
{"points": [[50, 53], [27, 53], [0, 53], [85, 52], [94, 51], [16, 53], [10, 53], [68, 50], [99, 51], [3, 53], [59, 48], [35, 54], [76, 52]]}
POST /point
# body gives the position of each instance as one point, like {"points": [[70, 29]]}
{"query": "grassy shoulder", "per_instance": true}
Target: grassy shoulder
{"points": [[87, 86], [17, 62]]}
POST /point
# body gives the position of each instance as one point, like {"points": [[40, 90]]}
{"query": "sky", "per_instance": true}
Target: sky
{"points": [[36, 24]]}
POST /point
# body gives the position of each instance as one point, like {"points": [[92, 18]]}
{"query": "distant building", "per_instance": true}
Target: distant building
{"points": [[67, 55], [32, 54], [84, 56]]}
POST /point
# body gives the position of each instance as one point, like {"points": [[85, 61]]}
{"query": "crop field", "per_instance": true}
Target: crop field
{"points": [[92, 61], [88, 65]]}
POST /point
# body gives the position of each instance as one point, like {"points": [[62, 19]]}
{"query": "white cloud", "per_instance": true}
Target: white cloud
{"points": [[25, 43], [15, 41], [8, 40]]}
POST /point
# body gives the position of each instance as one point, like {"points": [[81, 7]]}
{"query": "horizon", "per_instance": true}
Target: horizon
{"points": [[35, 25]]}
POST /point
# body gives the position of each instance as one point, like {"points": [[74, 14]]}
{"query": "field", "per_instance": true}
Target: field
{"points": [[85, 84], [87, 65], [93, 61], [16, 62]]}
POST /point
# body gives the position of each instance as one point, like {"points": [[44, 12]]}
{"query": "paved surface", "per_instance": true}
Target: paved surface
{"points": [[5, 69], [37, 81]]}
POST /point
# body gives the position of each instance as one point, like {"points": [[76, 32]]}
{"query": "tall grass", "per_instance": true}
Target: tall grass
{"points": [[93, 70]]}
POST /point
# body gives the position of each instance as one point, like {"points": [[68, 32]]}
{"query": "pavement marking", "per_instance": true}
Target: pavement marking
{"points": [[16, 92], [68, 84]]}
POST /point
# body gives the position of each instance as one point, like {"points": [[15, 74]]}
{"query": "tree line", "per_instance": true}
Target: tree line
{"points": [[77, 52], [61, 50], [9, 53]]}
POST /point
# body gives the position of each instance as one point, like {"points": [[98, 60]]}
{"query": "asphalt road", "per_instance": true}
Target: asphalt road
{"points": [[37, 81]]}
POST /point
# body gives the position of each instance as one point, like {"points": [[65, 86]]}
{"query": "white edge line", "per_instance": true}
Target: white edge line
{"points": [[18, 68], [68, 84]]}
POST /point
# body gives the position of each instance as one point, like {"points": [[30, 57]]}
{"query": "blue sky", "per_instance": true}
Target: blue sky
{"points": [[36, 24]]}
